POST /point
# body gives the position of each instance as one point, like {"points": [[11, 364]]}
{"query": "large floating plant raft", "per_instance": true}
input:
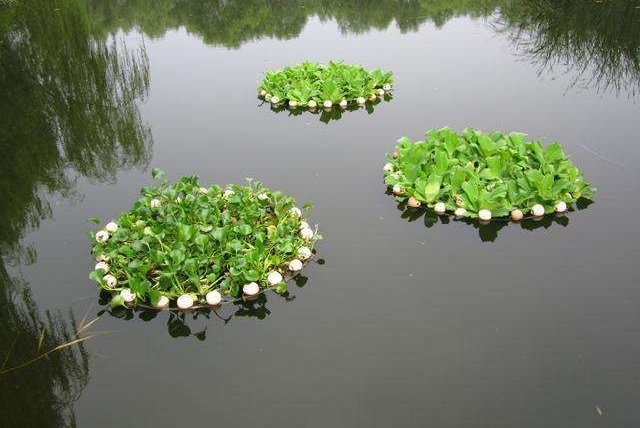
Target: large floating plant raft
{"points": [[311, 85], [474, 174], [186, 245]]}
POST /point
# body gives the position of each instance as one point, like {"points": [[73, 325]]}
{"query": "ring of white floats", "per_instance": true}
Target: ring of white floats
{"points": [[213, 298], [326, 104], [537, 210]]}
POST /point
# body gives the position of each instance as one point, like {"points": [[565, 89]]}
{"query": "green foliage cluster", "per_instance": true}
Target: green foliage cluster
{"points": [[478, 171], [334, 82], [181, 238]]}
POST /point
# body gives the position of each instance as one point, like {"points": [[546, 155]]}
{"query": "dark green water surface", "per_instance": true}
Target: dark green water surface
{"points": [[408, 320]]}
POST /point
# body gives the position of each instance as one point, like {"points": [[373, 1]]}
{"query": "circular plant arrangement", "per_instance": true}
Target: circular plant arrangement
{"points": [[336, 84], [484, 176], [183, 245]]}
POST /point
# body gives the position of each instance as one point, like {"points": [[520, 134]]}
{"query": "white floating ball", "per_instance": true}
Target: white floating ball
{"points": [[413, 202], [397, 190], [381, 92], [262, 92], [388, 167], [304, 225], [163, 302], [361, 100], [304, 253], [102, 258], [537, 210], [274, 278], [127, 295], [343, 104], [295, 265], [213, 298], [203, 190], [327, 103], [102, 236], [312, 104], [293, 103], [386, 87], [111, 227], [102, 265], [560, 207], [227, 193], [275, 100], [296, 212], [517, 215], [440, 208], [263, 196], [110, 280], [484, 215], [154, 203], [395, 155], [185, 301], [459, 212], [306, 234]]}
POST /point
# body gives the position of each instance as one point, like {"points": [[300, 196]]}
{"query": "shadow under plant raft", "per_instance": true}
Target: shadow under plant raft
{"points": [[316, 86], [484, 176], [187, 246]]}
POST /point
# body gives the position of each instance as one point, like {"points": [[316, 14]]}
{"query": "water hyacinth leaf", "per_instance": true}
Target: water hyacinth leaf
{"points": [[496, 172], [199, 239], [116, 301]]}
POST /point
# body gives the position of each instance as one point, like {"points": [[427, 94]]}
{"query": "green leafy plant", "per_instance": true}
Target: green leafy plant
{"points": [[482, 175], [192, 245], [316, 85]]}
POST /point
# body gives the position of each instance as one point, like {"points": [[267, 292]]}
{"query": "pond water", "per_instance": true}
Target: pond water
{"points": [[406, 321]]}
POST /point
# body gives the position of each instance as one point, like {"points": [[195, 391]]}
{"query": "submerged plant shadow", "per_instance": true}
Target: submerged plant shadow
{"points": [[488, 231], [331, 114], [181, 323]]}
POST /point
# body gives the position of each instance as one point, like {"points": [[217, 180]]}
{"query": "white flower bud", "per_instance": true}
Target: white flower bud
{"points": [[413, 202], [343, 104], [361, 100], [274, 278], [295, 265], [111, 227], [275, 99], [163, 302], [459, 212], [213, 298], [386, 87], [516, 215], [127, 295], [103, 266], [304, 253], [293, 103], [388, 167], [484, 215], [560, 207], [397, 190], [102, 236], [251, 289], [155, 203], [440, 208], [312, 104], [327, 103], [110, 280], [185, 301], [306, 234], [296, 212], [537, 210], [263, 196]]}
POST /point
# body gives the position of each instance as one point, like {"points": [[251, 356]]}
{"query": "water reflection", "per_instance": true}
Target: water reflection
{"points": [[331, 114], [68, 109], [598, 42], [194, 323], [488, 231]]}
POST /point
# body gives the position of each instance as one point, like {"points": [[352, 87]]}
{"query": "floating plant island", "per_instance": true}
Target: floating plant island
{"points": [[183, 245], [484, 176], [336, 84]]}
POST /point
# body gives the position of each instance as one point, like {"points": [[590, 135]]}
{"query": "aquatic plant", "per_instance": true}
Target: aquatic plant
{"points": [[314, 85], [474, 174], [193, 245]]}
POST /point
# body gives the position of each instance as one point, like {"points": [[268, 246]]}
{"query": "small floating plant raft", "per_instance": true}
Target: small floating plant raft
{"points": [[186, 245], [484, 175], [311, 85]]}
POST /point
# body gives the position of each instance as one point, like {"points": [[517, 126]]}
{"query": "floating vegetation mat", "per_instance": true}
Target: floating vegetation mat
{"points": [[479, 175], [310, 86], [183, 245]]}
